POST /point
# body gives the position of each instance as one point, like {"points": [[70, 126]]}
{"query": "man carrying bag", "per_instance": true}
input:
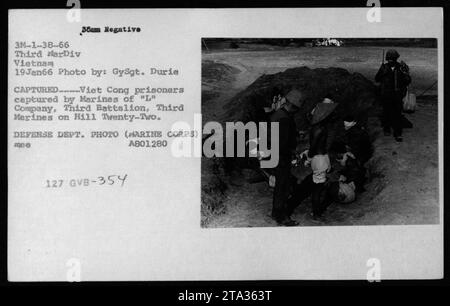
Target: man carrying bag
{"points": [[394, 80]]}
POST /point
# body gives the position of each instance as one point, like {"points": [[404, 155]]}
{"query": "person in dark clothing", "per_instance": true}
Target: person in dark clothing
{"points": [[394, 79], [287, 144], [353, 172], [355, 139], [355, 146], [315, 184], [318, 137]]}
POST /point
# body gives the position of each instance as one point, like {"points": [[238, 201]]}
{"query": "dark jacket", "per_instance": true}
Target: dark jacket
{"points": [[287, 140], [392, 80], [359, 142], [354, 173], [357, 139], [318, 136]]}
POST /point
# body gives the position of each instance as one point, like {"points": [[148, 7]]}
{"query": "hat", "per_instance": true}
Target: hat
{"points": [[295, 97], [392, 54], [322, 110]]}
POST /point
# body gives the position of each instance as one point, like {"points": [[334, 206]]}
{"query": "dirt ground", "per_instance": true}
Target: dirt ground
{"points": [[403, 177]]}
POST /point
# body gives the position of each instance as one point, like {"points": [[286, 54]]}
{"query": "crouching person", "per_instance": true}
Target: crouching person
{"points": [[353, 172], [351, 180], [341, 192], [355, 139]]}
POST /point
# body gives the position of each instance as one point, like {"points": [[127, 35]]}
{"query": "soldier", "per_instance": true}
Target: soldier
{"points": [[394, 79], [287, 144]]}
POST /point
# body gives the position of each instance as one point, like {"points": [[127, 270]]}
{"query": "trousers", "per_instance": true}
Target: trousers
{"points": [[392, 113], [320, 198], [284, 180]]}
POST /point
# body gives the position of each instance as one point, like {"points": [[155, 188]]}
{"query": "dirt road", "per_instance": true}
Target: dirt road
{"points": [[364, 60]]}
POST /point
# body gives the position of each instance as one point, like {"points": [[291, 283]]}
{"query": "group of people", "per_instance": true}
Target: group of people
{"points": [[352, 149]]}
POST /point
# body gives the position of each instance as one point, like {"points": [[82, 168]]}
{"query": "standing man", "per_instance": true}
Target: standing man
{"points": [[317, 156], [394, 79], [287, 144]]}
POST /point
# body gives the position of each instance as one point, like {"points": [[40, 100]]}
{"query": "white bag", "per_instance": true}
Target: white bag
{"points": [[272, 181], [347, 191], [409, 102]]}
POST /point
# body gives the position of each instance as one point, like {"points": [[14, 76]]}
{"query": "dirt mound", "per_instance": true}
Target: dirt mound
{"points": [[355, 94], [216, 75], [216, 80], [213, 190]]}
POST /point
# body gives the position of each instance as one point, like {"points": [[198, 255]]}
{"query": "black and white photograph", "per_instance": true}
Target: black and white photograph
{"points": [[244, 144], [358, 131]]}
